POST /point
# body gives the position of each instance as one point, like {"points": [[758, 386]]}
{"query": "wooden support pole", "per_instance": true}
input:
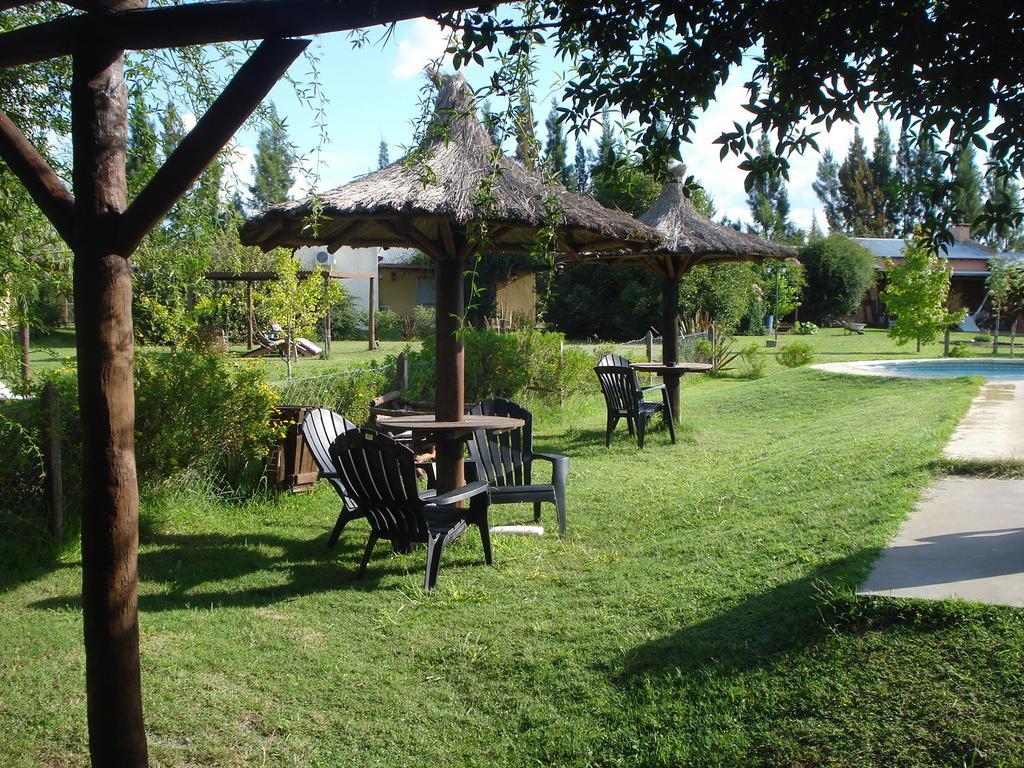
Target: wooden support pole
{"points": [[104, 334], [26, 351], [401, 372], [43, 185], [248, 315], [52, 461], [200, 147], [670, 338], [450, 398], [649, 344], [371, 317]]}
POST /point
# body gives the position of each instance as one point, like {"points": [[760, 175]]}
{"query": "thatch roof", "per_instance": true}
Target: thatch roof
{"points": [[414, 201], [687, 239]]}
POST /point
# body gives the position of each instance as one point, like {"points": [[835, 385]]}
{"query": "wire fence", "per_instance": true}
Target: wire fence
{"points": [[690, 348]]}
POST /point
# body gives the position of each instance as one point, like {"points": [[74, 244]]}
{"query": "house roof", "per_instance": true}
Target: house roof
{"points": [[892, 248]]}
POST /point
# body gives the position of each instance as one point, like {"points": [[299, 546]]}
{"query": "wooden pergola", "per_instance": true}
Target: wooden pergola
{"points": [[103, 229], [261, 277]]}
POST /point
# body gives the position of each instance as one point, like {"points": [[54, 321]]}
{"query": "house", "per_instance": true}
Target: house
{"points": [[360, 262], [968, 259], [407, 281]]}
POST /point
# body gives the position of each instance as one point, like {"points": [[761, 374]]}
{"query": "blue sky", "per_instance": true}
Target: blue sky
{"points": [[373, 92]]}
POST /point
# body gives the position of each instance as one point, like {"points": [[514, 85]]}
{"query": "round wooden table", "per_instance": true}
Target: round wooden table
{"points": [[447, 434], [672, 372]]}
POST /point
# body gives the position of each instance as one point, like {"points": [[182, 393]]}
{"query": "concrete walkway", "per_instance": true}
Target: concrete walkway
{"points": [[993, 429], [966, 537]]}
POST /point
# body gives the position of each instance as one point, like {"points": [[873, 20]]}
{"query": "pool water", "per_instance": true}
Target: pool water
{"points": [[942, 368]]}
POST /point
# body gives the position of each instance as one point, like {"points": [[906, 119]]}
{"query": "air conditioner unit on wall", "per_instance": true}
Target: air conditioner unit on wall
{"points": [[317, 257]]}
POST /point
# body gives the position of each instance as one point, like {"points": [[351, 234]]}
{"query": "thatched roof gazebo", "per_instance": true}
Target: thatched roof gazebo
{"points": [[452, 197], [686, 240]]}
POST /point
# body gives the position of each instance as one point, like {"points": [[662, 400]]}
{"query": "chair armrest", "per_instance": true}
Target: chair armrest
{"points": [[330, 476], [559, 467], [644, 390], [554, 458], [459, 494]]}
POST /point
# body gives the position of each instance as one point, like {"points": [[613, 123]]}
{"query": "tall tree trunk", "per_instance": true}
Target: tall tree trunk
{"points": [[26, 345], [110, 499]]}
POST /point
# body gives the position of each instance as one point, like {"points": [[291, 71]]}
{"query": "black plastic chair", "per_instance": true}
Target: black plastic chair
{"points": [[320, 428], [380, 476], [505, 461], [624, 399]]}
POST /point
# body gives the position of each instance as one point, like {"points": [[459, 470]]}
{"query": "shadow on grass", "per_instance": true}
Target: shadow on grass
{"points": [[190, 570]]}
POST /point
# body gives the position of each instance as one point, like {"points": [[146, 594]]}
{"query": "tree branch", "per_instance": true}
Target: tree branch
{"points": [[199, 148], [45, 187], [208, 22]]}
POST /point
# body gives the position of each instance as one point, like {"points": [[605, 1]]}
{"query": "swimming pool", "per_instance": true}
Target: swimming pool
{"points": [[947, 367]]}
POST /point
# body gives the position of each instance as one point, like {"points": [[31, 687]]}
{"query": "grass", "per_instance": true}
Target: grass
{"points": [[700, 612]]}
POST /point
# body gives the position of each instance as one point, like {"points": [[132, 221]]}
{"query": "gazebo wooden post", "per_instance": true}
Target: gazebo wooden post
{"points": [[103, 322], [670, 334], [327, 317], [248, 315], [450, 398], [371, 317]]}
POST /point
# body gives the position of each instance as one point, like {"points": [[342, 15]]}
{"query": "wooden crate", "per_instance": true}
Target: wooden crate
{"points": [[291, 466]]}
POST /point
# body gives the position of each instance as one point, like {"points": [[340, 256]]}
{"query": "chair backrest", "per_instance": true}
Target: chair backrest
{"points": [[620, 387], [381, 477], [503, 458], [320, 428], [613, 359]]}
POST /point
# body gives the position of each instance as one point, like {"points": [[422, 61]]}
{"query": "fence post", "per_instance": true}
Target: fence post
{"points": [[711, 340], [945, 344], [52, 462], [402, 371], [649, 341]]}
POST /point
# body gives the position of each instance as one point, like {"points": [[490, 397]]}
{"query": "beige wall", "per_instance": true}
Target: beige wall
{"points": [[517, 297], [398, 289]]}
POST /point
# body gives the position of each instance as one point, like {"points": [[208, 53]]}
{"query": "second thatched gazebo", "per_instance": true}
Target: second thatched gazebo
{"points": [[454, 196], [686, 239]]}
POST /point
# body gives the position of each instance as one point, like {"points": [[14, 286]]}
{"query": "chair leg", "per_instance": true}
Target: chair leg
{"points": [[612, 421], [641, 429], [366, 555], [339, 526], [536, 511], [671, 424], [435, 545], [485, 540], [478, 515]]}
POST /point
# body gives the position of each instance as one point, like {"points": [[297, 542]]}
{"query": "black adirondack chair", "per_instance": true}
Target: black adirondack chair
{"points": [[320, 428], [624, 399], [505, 461], [380, 477]]}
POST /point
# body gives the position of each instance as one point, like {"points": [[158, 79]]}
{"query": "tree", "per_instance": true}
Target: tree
{"points": [[556, 152], [1006, 281], [272, 170], [383, 158], [838, 273], [143, 143], [768, 199], [969, 188], [1006, 234], [580, 169], [917, 294], [861, 202], [826, 187], [885, 178], [618, 179]]}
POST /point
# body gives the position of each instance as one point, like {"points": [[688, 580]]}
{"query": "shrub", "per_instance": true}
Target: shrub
{"points": [[983, 337], [754, 361], [960, 350], [346, 392], [796, 354], [805, 329], [389, 325], [838, 273], [507, 365], [425, 319], [222, 424]]}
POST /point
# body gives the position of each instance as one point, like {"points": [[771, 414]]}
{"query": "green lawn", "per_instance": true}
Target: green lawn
{"points": [[700, 611]]}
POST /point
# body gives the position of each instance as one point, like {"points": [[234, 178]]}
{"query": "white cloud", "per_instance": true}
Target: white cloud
{"points": [[421, 42]]}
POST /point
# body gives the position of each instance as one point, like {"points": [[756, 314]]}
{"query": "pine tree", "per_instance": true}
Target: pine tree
{"points": [[556, 152], [768, 199], [906, 213], [885, 178], [383, 158], [526, 134], [816, 232], [1007, 234], [489, 120], [968, 179], [927, 180], [272, 170], [861, 201], [826, 187], [581, 173], [172, 129], [141, 162]]}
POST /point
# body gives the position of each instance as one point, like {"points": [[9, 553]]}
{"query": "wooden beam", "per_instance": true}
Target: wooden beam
{"points": [[199, 148], [337, 238], [448, 238], [204, 23], [45, 187]]}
